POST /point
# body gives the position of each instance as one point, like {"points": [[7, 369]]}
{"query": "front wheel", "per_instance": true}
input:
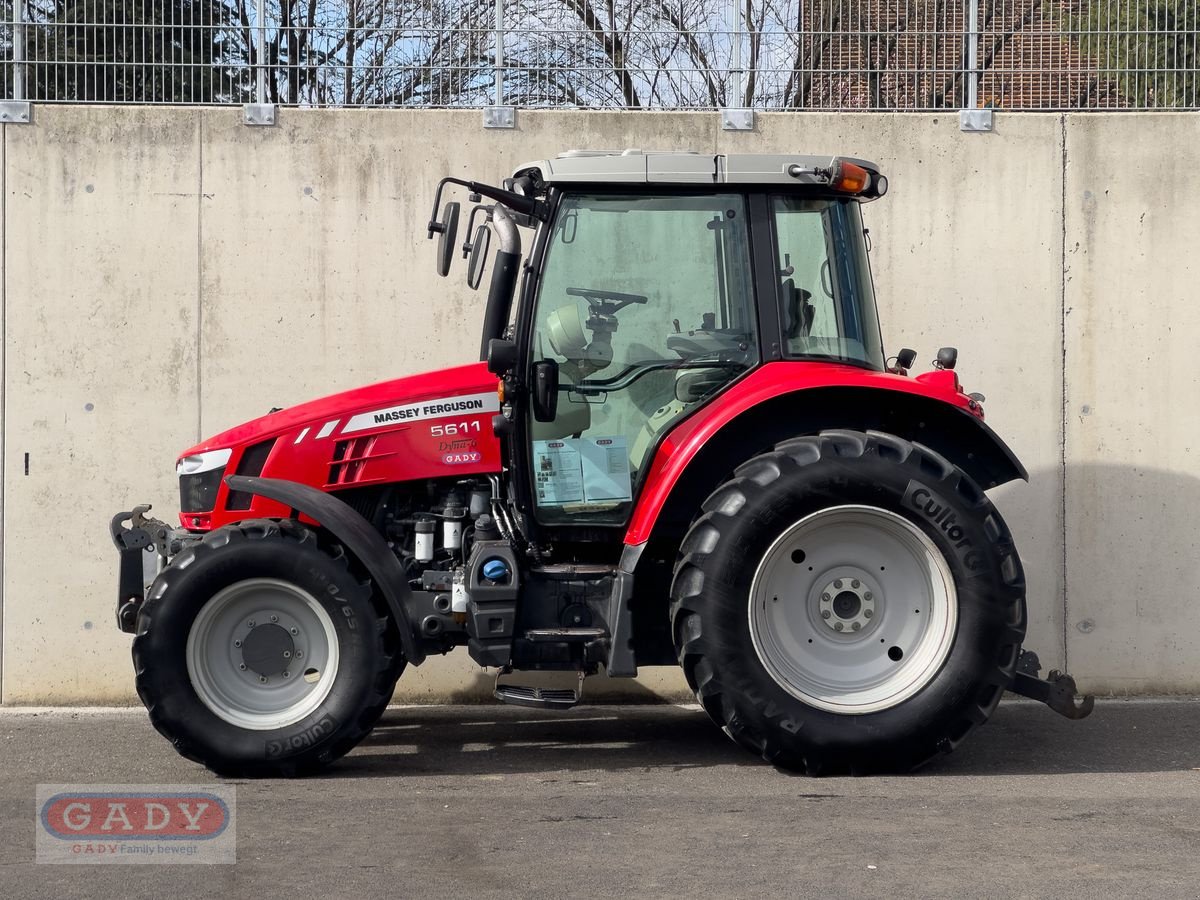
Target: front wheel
{"points": [[258, 652], [848, 602]]}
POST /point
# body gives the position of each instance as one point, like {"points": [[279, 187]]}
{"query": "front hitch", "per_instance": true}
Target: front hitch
{"points": [[142, 536], [1057, 691]]}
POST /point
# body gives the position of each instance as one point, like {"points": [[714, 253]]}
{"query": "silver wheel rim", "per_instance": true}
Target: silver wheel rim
{"points": [[262, 654], [853, 610]]}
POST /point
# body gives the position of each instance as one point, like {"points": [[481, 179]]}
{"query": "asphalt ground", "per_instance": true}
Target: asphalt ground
{"points": [[648, 801]]}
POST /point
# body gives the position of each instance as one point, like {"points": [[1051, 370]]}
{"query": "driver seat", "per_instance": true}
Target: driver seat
{"points": [[798, 311]]}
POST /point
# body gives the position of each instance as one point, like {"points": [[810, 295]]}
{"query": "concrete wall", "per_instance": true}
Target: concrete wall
{"points": [[170, 272]]}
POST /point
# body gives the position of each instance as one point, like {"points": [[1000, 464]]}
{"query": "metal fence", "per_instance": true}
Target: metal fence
{"points": [[623, 54]]}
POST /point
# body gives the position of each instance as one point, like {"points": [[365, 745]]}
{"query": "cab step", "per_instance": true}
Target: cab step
{"points": [[538, 696], [565, 635]]}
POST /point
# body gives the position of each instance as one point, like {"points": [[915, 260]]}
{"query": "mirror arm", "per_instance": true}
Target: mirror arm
{"points": [[518, 203]]}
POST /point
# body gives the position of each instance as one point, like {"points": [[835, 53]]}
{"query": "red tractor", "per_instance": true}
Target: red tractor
{"points": [[683, 444]]}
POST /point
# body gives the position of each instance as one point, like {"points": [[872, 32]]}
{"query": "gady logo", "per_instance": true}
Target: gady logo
{"points": [[122, 823], [135, 817]]}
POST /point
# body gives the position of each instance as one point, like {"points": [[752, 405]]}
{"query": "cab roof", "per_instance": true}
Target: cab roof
{"points": [[684, 167]]}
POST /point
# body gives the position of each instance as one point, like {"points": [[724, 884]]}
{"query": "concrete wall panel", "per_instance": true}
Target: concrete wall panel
{"points": [[182, 272], [102, 210], [1133, 436]]}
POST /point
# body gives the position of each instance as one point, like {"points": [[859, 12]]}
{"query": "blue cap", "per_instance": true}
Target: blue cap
{"points": [[495, 570]]}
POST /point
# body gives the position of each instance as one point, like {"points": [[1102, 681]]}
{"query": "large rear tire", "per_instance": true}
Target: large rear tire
{"points": [[849, 602], [259, 653]]}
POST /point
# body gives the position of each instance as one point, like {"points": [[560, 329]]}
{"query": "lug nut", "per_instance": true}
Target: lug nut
{"points": [[299, 653], [262, 679], [854, 583], [242, 666], [295, 630], [838, 583], [276, 618], [856, 626], [837, 626], [867, 613], [287, 654], [825, 614], [825, 598], [868, 596], [237, 643], [287, 674], [250, 624]]}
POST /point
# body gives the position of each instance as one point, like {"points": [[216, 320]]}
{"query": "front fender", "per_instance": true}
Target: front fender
{"points": [[354, 533]]}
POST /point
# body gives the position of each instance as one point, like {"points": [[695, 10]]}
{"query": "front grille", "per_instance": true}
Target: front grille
{"points": [[198, 492]]}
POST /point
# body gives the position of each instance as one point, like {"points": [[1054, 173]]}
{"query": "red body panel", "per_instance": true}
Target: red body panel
{"points": [[437, 424], [772, 380]]}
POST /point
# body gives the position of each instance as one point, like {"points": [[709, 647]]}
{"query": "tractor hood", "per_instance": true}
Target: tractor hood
{"points": [[423, 426]]}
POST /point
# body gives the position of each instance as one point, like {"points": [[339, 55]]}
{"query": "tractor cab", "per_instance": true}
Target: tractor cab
{"points": [[653, 282]]}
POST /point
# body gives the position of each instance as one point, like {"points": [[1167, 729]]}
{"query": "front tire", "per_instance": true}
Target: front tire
{"points": [[849, 602], [259, 653]]}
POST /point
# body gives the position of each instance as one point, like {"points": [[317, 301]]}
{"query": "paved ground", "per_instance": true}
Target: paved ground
{"points": [[471, 802]]}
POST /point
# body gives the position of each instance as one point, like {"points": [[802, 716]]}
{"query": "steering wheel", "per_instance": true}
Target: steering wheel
{"points": [[605, 302]]}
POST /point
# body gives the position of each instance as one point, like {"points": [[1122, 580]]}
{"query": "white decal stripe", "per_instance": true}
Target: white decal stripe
{"points": [[301, 435], [327, 429], [439, 408]]}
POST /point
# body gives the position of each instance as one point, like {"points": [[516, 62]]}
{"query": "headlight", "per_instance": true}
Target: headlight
{"points": [[200, 479]]}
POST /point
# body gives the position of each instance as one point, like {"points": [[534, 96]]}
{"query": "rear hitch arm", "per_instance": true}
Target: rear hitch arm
{"points": [[1057, 691]]}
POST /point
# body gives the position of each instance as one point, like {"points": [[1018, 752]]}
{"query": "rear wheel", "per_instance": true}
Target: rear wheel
{"points": [[258, 652], [848, 602]]}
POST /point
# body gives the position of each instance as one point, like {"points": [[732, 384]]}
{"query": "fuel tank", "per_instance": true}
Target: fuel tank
{"points": [[432, 425]]}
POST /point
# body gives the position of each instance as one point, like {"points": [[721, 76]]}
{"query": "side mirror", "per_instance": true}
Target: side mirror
{"points": [[906, 358], [447, 231], [545, 390], [478, 262]]}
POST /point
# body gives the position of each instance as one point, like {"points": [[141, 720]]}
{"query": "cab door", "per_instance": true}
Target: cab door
{"points": [[644, 310]]}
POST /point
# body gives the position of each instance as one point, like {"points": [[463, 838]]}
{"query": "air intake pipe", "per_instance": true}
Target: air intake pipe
{"points": [[504, 278]]}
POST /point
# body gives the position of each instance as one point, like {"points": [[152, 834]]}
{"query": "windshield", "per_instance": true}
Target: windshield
{"points": [[825, 292], [646, 305]]}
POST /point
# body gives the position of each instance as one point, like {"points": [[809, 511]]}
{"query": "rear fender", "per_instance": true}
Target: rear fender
{"points": [[704, 450], [355, 533]]}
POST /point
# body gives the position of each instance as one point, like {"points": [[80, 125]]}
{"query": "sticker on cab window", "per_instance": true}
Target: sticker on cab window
{"points": [[582, 470]]}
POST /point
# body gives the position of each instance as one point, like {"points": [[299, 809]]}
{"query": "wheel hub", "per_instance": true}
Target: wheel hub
{"points": [[846, 605], [268, 649]]}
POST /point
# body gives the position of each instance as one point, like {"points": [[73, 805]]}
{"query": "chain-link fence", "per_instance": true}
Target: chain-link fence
{"points": [[624, 54]]}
